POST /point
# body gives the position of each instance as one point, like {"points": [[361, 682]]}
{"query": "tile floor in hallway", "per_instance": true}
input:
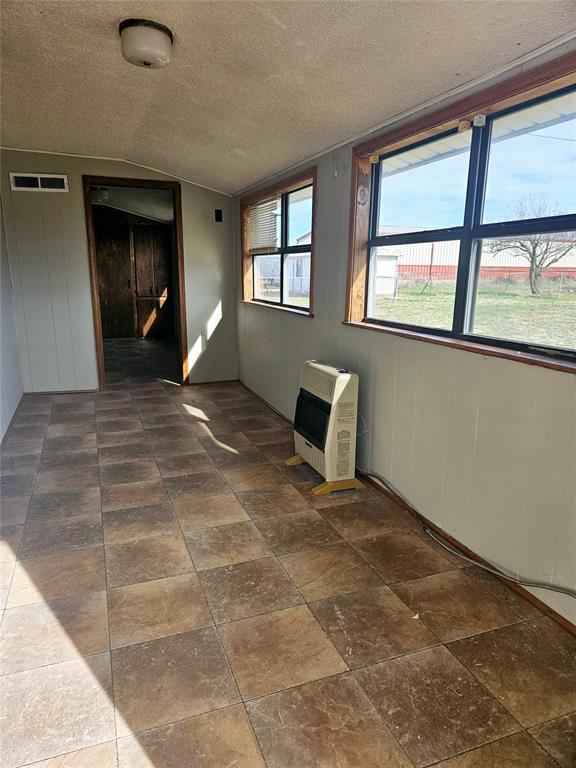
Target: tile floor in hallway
{"points": [[175, 597]]}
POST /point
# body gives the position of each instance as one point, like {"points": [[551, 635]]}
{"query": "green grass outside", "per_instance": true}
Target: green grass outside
{"points": [[503, 310]]}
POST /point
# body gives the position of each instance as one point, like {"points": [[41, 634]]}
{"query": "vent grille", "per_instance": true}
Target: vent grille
{"points": [[36, 182], [319, 383]]}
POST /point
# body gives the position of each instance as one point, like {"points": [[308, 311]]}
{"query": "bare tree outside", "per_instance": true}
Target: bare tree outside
{"points": [[541, 251]]}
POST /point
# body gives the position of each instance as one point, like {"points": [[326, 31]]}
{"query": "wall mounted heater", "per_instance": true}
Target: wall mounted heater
{"points": [[325, 425]]}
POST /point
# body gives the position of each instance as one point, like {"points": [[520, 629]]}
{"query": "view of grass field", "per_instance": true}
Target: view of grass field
{"points": [[504, 309]]}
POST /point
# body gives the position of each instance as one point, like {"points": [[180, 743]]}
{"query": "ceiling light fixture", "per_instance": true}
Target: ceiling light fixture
{"points": [[145, 43]]}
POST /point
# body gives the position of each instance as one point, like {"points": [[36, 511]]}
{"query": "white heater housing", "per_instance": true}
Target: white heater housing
{"points": [[325, 420]]}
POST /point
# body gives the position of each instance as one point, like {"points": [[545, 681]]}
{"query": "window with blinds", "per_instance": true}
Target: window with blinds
{"points": [[264, 225], [277, 237]]}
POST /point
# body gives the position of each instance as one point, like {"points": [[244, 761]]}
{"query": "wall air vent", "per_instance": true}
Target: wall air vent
{"points": [[38, 182]]}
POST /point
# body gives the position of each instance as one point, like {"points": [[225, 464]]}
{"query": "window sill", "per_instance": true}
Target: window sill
{"points": [[290, 310], [474, 347]]}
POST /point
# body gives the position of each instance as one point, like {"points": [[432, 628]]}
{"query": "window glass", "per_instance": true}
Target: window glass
{"points": [[532, 163], [300, 217], [424, 187], [414, 284], [297, 279], [267, 277], [527, 289]]}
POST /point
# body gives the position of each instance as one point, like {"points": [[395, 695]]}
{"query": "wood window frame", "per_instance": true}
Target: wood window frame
{"points": [[290, 184], [525, 87]]}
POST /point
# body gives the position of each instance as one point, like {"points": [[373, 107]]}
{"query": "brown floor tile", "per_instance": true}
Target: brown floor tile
{"points": [[225, 545], [207, 513], [273, 501], [454, 605], [534, 680], [164, 680], [194, 487], [77, 572], [217, 739], [19, 465], [154, 609], [13, 511], [246, 457], [48, 537], [114, 439], [146, 559], [10, 538], [324, 724], [73, 478], [245, 589], [60, 505], [189, 464], [296, 531], [334, 499], [47, 633], [99, 756], [505, 595], [183, 446], [28, 431], [16, 485], [555, 634], [257, 478], [165, 432], [327, 571], [69, 444], [433, 706], [371, 626], [558, 737], [14, 446], [56, 709], [119, 425], [278, 452], [138, 523], [129, 452], [279, 650], [128, 495], [400, 556], [517, 751], [129, 472], [51, 459], [367, 519], [71, 428], [124, 411]]}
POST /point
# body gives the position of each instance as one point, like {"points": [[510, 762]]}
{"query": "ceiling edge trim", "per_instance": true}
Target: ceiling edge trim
{"points": [[116, 160], [470, 85]]}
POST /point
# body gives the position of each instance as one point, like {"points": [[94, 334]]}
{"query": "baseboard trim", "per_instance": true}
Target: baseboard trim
{"points": [[535, 601]]}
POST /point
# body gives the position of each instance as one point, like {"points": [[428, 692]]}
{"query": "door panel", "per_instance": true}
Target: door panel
{"points": [[115, 282], [153, 264]]}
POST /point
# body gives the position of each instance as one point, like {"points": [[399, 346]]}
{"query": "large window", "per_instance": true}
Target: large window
{"points": [[277, 244], [471, 232]]}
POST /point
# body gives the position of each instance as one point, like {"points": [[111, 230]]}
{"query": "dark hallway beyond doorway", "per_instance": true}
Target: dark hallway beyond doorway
{"points": [[133, 361]]}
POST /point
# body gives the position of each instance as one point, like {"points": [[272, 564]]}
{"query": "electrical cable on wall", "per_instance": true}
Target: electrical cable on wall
{"points": [[493, 570]]}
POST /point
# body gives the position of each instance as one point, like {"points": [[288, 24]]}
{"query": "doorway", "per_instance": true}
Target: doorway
{"points": [[137, 273]]}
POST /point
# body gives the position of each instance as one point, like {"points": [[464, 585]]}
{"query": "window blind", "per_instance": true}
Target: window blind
{"points": [[264, 226]]}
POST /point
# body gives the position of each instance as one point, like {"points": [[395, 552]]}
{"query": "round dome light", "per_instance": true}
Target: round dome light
{"points": [[145, 43]]}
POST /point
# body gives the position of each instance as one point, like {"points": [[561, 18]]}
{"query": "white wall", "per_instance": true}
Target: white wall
{"points": [[47, 246], [483, 447], [10, 380]]}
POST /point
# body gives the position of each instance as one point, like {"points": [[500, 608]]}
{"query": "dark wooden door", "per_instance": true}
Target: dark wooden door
{"points": [[115, 280], [154, 293]]}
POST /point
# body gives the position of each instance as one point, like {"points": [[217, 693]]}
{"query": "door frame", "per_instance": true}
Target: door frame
{"points": [[115, 181]]}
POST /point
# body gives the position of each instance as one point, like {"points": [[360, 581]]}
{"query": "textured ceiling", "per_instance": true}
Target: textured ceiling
{"points": [[253, 87]]}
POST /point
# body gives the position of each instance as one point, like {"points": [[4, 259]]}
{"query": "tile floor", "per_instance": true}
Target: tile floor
{"points": [[175, 596]]}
